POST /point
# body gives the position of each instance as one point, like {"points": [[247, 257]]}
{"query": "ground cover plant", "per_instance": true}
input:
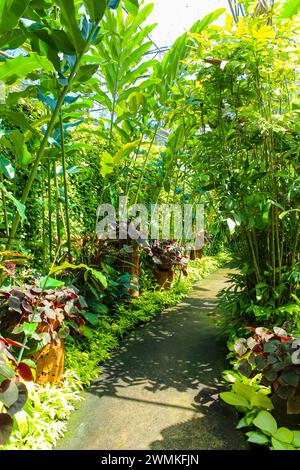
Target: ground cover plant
{"points": [[42, 421]]}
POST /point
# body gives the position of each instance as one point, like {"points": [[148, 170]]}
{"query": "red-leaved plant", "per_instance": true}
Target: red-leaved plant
{"points": [[13, 392], [276, 355], [44, 316]]}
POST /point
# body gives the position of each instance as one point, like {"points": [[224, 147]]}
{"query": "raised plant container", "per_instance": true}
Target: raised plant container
{"points": [[164, 275], [50, 363]]}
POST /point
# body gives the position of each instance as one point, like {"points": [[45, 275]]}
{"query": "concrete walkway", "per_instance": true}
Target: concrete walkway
{"points": [[158, 391]]}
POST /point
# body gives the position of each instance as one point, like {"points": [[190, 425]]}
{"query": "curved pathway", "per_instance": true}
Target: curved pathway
{"points": [[159, 390]]}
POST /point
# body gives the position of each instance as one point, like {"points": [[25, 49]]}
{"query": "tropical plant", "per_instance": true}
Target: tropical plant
{"points": [[250, 398], [167, 252], [13, 392], [276, 356], [43, 315]]}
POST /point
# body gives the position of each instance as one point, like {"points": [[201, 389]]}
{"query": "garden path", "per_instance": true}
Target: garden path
{"points": [[158, 391]]}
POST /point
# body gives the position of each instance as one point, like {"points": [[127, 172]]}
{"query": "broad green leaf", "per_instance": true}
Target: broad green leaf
{"points": [[12, 39], [99, 308], [99, 276], [29, 328], [139, 19], [19, 67], [6, 167], [284, 435], [290, 8], [125, 151], [128, 60], [65, 265], [137, 39], [132, 6], [85, 72], [234, 399], [107, 164], [296, 438], [265, 421], [18, 204], [257, 438], [10, 13], [50, 283], [242, 423], [243, 389], [90, 317], [102, 98], [207, 20], [96, 8], [18, 119], [68, 19], [278, 445], [135, 101], [18, 141], [260, 400]]}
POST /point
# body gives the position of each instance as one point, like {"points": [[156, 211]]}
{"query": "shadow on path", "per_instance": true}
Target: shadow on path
{"points": [[159, 390]]}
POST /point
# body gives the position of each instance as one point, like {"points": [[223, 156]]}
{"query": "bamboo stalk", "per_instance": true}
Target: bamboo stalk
{"points": [[49, 209], [57, 206], [65, 183], [4, 207], [48, 132]]}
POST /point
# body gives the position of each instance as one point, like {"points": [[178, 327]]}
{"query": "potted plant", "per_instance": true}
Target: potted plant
{"points": [[276, 355], [167, 256], [41, 318]]}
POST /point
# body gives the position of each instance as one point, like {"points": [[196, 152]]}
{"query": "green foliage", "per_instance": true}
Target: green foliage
{"points": [[43, 420], [263, 428], [276, 356], [39, 316]]}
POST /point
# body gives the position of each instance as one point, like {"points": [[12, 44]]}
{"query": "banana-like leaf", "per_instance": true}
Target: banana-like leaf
{"points": [[12, 39], [207, 20], [290, 8], [14, 69], [86, 72], [132, 6], [125, 151], [18, 204], [10, 13], [96, 8], [68, 19], [107, 164], [96, 274]]}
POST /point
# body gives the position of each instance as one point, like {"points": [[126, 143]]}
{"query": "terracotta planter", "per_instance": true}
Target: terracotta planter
{"points": [[164, 275], [196, 254], [50, 363]]}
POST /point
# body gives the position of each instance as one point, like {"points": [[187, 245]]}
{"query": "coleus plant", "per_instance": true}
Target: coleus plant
{"points": [[276, 355], [13, 392], [43, 316], [167, 252]]}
